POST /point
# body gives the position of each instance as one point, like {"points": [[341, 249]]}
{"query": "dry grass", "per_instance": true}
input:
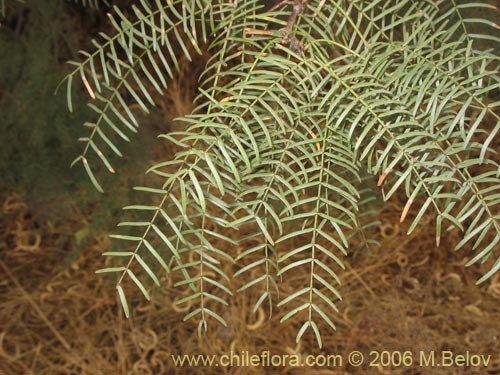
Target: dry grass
{"points": [[409, 296]]}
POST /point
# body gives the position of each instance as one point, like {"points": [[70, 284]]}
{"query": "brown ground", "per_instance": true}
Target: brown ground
{"points": [[410, 296]]}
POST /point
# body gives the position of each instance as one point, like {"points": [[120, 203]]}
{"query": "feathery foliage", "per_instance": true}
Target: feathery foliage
{"points": [[299, 105], [92, 3]]}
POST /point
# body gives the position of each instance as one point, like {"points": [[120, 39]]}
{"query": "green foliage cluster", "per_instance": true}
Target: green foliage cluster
{"points": [[297, 105]]}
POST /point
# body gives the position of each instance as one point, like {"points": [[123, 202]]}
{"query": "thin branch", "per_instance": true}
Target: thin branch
{"points": [[298, 7], [278, 5]]}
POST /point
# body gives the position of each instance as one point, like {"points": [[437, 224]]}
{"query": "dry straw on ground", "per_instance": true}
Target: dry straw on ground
{"points": [[408, 296]]}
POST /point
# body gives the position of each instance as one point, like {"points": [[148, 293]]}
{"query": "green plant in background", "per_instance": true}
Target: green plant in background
{"points": [[301, 105], [90, 3], [39, 135], [36, 38]]}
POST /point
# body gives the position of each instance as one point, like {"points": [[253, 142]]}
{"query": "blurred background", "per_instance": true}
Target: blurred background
{"points": [[58, 317]]}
